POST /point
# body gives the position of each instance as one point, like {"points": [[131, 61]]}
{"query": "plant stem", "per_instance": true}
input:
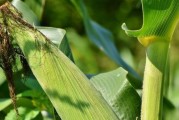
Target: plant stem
{"points": [[152, 99]]}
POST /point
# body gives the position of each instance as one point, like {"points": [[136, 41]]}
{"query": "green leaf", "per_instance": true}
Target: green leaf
{"points": [[4, 103], [31, 82], [70, 92], [27, 13], [2, 77], [159, 19], [21, 101], [65, 48], [102, 38], [56, 35], [30, 93], [42, 102], [24, 114], [119, 93]]}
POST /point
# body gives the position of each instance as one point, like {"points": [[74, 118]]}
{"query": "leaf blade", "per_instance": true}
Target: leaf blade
{"points": [[119, 93], [103, 39]]}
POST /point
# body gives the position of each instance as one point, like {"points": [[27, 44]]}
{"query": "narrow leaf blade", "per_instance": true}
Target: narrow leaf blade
{"points": [[102, 38]]}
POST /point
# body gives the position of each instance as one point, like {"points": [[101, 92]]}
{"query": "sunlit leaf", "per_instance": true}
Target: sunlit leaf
{"points": [[4, 103], [54, 34], [57, 36], [41, 103], [24, 114]]}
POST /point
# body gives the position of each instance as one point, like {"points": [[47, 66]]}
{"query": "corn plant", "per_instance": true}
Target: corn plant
{"points": [[41, 61], [160, 19]]}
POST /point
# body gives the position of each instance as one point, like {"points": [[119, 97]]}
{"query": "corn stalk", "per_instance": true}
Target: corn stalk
{"points": [[160, 19]]}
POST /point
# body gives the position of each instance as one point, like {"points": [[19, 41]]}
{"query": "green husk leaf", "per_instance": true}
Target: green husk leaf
{"points": [[57, 36], [119, 93], [70, 92]]}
